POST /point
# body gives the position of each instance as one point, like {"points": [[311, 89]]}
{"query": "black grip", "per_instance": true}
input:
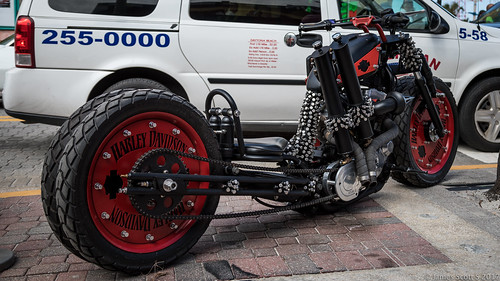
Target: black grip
{"points": [[326, 25], [397, 19], [322, 25]]}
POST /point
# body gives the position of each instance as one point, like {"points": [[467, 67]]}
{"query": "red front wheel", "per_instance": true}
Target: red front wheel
{"points": [[418, 146], [124, 232]]}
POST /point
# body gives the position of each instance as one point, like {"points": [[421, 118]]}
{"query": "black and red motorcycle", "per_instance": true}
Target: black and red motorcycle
{"points": [[134, 177]]}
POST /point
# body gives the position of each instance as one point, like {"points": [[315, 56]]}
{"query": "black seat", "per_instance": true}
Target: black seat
{"points": [[264, 146]]}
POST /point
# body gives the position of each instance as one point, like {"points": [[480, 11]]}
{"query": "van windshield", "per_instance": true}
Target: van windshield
{"points": [[492, 15]]}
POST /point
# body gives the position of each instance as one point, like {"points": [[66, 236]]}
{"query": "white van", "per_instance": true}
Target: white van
{"points": [[70, 51]]}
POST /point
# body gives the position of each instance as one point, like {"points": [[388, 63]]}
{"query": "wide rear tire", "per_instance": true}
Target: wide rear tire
{"points": [[51, 164], [104, 226]]}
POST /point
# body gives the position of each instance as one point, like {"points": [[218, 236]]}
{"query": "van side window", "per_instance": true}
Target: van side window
{"points": [[419, 20], [131, 8], [280, 12]]}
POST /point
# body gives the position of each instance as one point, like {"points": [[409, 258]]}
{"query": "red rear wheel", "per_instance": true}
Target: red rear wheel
{"points": [[119, 231], [118, 220]]}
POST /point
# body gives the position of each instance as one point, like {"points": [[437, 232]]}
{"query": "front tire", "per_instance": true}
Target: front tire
{"points": [[104, 226], [417, 146], [480, 115]]}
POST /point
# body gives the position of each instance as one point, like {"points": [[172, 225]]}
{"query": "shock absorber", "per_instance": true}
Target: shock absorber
{"points": [[227, 138], [327, 77], [350, 81], [214, 121]]}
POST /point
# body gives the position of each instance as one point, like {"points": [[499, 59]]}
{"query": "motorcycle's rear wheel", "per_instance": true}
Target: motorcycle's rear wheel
{"points": [[51, 165], [103, 225], [418, 147]]}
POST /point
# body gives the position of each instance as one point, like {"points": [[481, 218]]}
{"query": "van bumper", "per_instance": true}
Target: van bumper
{"points": [[31, 94]]}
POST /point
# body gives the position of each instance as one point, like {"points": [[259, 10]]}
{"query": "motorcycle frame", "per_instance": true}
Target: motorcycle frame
{"points": [[329, 61]]}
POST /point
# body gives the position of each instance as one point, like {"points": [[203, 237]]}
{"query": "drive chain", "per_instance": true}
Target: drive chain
{"points": [[244, 166]]}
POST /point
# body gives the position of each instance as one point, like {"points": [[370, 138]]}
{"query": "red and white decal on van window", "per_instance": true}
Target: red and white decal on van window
{"points": [[263, 53]]}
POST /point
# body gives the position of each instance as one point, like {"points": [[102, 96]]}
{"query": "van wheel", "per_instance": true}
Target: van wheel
{"points": [[51, 164], [136, 83], [126, 232], [480, 115]]}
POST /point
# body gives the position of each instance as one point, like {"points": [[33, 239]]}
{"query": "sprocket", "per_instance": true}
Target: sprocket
{"points": [[157, 161]]}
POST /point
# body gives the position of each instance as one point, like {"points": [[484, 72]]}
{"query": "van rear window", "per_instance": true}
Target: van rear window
{"points": [[131, 8]]}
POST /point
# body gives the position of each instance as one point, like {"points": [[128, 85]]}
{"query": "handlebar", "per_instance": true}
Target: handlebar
{"points": [[389, 20], [322, 25]]}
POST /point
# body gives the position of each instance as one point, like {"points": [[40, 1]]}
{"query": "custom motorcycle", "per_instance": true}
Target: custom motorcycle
{"points": [[134, 177]]}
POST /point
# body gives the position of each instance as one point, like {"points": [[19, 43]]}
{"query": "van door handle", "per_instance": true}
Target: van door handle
{"points": [[307, 40]]}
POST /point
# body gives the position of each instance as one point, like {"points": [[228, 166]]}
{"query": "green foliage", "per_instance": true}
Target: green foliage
{"points": [[453, 8]]}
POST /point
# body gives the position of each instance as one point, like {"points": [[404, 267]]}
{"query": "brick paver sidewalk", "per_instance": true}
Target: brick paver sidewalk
{"points": [[363, 236]]}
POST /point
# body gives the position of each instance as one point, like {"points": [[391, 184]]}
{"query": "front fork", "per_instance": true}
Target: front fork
{"points": [[425, 84]]}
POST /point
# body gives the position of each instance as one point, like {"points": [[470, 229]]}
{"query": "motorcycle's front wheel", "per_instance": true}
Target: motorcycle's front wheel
{"points": [[122, 232], [418, 146]]}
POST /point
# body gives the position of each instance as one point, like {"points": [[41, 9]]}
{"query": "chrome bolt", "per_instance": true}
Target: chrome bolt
{"points": [[176, 131], [429, 165], [420, 160], [190, 204], [127, 133], [152, 125], [150, 237], [169, 185], [124, 234], [191, 150], [173, 226], [104, 216], [438, 160], [106, 155], [97, 186]]}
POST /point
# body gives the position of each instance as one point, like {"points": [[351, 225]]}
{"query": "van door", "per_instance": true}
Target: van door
{"points": [[239, 46], [441, 50]]}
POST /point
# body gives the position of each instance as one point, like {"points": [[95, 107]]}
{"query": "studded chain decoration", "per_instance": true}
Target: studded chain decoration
{"points": [[301, 145], [334, 124], [362, 112], [410, 57]]}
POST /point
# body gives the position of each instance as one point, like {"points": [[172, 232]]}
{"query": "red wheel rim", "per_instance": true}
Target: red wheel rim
{"points": [[116, 219], [430, 152]]}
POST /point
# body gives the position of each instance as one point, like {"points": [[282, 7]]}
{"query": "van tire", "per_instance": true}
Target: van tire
{"points": [[136, 83], [51, 164], [476, 98]]}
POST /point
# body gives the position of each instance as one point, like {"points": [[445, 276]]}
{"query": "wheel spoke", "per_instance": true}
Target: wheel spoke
{"points": [[484, 115], [494, 98], [492, 132]]}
